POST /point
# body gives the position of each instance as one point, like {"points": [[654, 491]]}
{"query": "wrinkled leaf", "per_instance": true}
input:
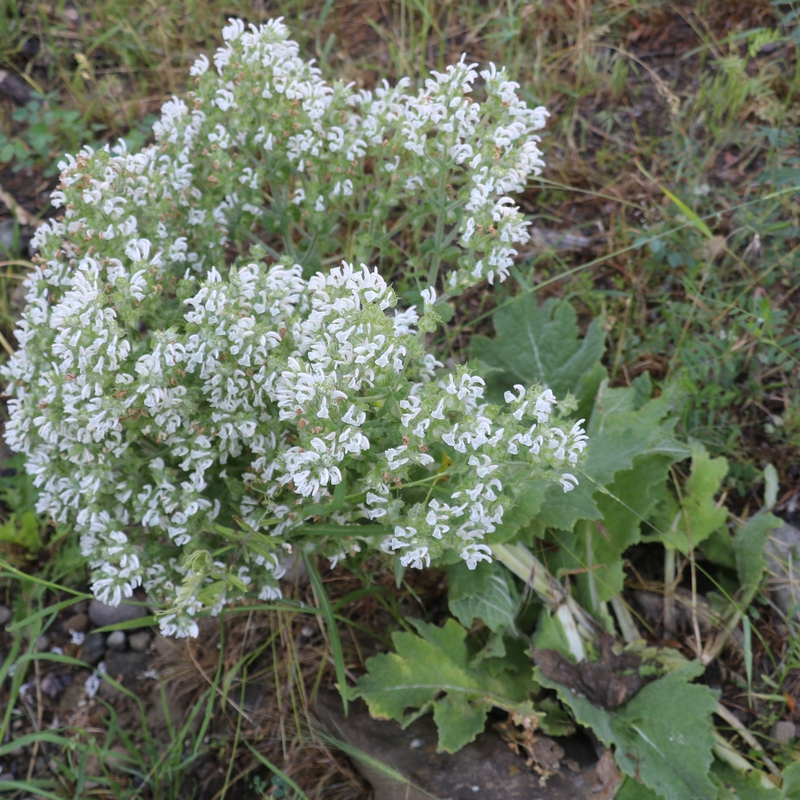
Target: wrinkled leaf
{"points": [[697, 516], [433, 671], [663, 736], [626, 424], [540, 344], [484, 593]]}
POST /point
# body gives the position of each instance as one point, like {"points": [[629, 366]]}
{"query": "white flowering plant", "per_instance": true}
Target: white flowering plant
{"points": [[205, 384], [210, 382]]}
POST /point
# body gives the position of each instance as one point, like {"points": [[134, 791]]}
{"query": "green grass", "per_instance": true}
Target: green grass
{"points": [[672, 144]]}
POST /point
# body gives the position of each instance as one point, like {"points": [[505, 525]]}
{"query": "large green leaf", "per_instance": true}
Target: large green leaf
{"points": [[594, 550], [663, 737], [696, 516], [541, 344], [627, 501], [626, 424], [433, 671], [485, 593]]}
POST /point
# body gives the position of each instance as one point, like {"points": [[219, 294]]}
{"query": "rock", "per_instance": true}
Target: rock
{"points": [[42, 643], [5, 614], [103, 616], [117, 641], [78, 622], [782, 732], [783, 564], [125, 664], [487, 769], [139, 641], [94, 648]]}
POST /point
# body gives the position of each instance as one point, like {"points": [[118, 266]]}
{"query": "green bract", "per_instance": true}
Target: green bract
{"points": [[197, 411]]}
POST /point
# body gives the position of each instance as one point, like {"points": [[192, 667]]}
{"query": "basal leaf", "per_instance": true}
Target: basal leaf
{"points": [[562, 509], [663, 737], [698, 516], [540, 344], [488, 596], [624, 426], [433, 671], [629, 499], [459, 721]]}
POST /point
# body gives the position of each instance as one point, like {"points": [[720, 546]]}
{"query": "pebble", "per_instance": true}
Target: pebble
{"points": [[102, 615], [139, 641], [782, 731], [5, 614], [42, 643], [117, 641], [79, 623], [94, 647]]}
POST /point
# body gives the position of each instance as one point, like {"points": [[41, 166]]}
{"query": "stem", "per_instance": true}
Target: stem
{"points": [[436, 260], [627, 626], [571, 632], [572, 617], [527, 567]]}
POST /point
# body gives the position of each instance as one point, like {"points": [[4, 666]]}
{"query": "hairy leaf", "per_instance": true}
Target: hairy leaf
{"points": [[433, 671], [662, 737], [485, 593], [626, 424], [540, 344], [697, 516]]}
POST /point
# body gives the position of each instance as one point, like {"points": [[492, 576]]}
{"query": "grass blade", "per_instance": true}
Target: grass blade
{"points": [[277, 771], [330, 623]]}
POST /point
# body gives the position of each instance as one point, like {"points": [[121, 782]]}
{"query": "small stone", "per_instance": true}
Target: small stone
{"points": [[117, 641], [103, 616], [42, 643], [139, 641], [5, 614], [782, 732], [125, 664], [94, 647], [79, 623]]}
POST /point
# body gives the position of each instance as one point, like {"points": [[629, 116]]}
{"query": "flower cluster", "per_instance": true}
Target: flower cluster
{"points": [[198, 416]]}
